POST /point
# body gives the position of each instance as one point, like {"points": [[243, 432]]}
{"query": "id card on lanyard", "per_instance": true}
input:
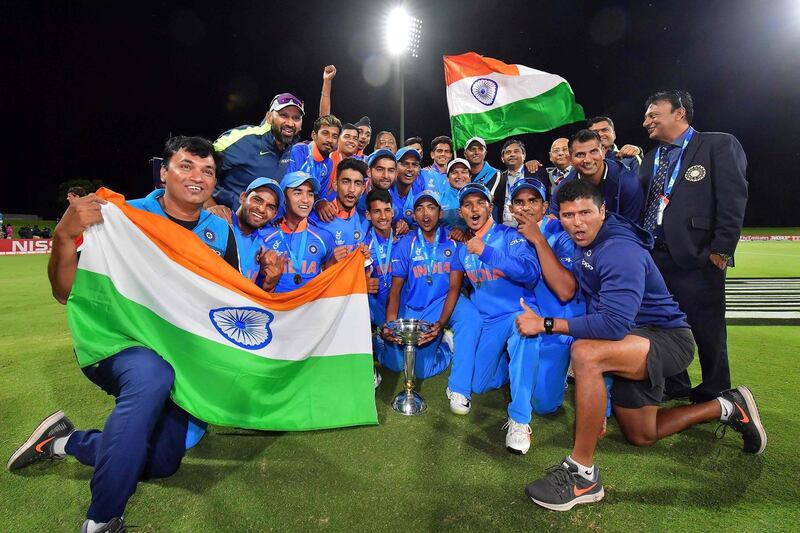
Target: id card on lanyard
{"points": [[665, 196]]}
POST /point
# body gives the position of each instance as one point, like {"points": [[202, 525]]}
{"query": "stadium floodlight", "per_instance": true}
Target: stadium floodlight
{"points": [[403, 36], [403, 33]]}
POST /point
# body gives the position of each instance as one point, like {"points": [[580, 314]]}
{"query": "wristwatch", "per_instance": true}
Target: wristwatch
{"points": [[548, 325]]}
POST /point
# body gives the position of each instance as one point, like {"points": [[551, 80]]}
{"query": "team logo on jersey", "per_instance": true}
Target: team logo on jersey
{"points": [[286, 161], [357, 235], [209, 235], [409, 212], [585, 264], [695, 173], [312, 248], [566, 260], [516, 241], [588, 253], [417, 254], [339, 238], [448, 252], [276, 245], [246, 327], [484, 90]]}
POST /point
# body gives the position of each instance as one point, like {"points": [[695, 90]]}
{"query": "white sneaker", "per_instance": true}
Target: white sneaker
{"points": [[377, 377], [459, 404], [518, 437], [447, 337]]}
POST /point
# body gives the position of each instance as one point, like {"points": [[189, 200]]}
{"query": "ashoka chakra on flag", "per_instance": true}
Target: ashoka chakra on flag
{"points": [[246, 327]]}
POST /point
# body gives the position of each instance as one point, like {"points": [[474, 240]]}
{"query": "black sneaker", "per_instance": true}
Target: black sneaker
{"points": [[563, 488], [40, 444], [745, 419], [115, 525]]}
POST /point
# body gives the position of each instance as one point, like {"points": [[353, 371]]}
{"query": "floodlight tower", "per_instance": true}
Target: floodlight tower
{"points": [[403, 35]]}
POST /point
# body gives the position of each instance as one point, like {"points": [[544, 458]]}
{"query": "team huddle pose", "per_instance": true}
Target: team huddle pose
{"points": [[521, 272]]}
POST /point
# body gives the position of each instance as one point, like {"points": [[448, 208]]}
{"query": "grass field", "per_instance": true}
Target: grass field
{"points": [[429, 473]]}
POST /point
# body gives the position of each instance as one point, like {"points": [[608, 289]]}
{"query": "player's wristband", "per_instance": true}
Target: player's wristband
{"points": [[548, 325]]}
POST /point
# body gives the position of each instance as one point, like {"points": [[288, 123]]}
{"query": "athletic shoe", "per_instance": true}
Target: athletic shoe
{"points": [[40, 444], [518, 437], [562, 488], [115, 525], [745, 419], [377, 378], [459, 404]]}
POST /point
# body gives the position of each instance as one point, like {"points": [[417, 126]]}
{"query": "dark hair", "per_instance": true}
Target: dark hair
{"points": [[378, 195], [601, 118], [678, 99], [349, 126], [197, 146], [77, 191], [329, 121], [582, 136], [442, 139], [513, 141], [413, 140], [576, 189], [351, 163]]}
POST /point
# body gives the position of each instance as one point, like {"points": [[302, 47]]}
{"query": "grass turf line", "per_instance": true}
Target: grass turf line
{"points": [[433, 472]]}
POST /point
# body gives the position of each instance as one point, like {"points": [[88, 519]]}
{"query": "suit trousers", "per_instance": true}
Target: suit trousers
{"points": [[700, 293]]}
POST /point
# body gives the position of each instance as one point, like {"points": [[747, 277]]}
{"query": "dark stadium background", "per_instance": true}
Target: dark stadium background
{"points": [[92, 89]]}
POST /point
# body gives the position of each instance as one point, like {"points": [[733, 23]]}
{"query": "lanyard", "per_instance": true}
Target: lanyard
{"points": [[408, 207], [477, 264], [255, 242], [383, 265], [430, 256], [297, 261], [674, 177]]}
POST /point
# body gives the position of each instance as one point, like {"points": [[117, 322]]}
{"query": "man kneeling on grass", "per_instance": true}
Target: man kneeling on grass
{"points": [[634, 330]]}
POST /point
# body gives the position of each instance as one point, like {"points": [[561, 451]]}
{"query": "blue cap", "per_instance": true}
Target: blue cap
{"points": [[471, 188], [383, 152], [429, 195], [295, 179], [266, 182], [408, 149], [529, 183]]}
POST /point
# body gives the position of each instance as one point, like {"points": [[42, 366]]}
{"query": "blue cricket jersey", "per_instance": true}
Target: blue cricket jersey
{"points": [[404, 205], [307, 158], [417, 261], [248, 247], [348, 228], [382, 250], [507, 270], [307, 248]]}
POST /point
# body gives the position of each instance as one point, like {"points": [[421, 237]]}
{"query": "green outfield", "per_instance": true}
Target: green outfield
{"points": [[428, 473]]}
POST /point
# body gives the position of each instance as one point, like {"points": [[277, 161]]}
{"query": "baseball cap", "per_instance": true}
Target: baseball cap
{"points": [[377, 154], [472, 188], [429, 195], [474, 139], [456, 161], [285, 100], [266, 182], [295, 179], [529, 183], [405, 150]]}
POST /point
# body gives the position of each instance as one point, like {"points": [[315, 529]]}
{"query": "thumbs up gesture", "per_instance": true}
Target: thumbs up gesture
{"points": [[529, 323]]}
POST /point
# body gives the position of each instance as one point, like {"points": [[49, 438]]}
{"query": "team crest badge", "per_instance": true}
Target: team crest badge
{"points": [[209, 235], [484, 90], [357, 235], [448, 252], [695, 173], [408, 212], [246, 327], [312, 249]]}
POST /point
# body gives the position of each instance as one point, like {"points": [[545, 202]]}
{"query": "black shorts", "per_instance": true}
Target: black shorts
{"points": [[671, 352]]}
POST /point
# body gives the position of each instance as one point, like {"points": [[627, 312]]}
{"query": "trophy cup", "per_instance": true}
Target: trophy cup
{"points": [[409, 330]]}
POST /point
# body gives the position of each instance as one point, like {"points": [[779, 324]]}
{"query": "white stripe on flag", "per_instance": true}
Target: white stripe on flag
{"points": [[529, 84]]}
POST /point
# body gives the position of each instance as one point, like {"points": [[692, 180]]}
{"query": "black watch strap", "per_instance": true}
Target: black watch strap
{"points": [[548, 325]]}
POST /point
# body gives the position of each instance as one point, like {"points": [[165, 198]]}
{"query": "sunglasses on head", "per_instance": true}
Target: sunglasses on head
{"points": [[286, 98]]}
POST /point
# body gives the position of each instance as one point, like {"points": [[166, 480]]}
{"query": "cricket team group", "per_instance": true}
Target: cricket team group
{"points": [[611, 262]]}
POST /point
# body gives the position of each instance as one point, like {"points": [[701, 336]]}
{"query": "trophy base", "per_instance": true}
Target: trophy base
{"points": [[409, 403]]}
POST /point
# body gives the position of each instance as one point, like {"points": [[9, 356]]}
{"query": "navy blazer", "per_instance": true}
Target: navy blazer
{"points": [[706, 210]]}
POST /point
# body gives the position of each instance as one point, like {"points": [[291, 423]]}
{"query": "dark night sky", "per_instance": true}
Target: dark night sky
{"points": [[92, 89]]}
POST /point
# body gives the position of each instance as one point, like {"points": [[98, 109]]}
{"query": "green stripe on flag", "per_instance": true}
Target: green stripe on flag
{"points": [[544, 112], [222, 384]]}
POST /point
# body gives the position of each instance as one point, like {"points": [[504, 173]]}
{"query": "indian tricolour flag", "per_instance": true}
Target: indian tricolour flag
{"points": [[493, 100], [242, 357]]}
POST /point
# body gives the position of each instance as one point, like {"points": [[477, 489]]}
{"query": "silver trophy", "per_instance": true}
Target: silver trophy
{"points": [[409, 330]]}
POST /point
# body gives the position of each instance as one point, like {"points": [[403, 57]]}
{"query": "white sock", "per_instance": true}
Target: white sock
{"points": [[92, 526], [586, 472], [727, 409], [60, 445]]}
